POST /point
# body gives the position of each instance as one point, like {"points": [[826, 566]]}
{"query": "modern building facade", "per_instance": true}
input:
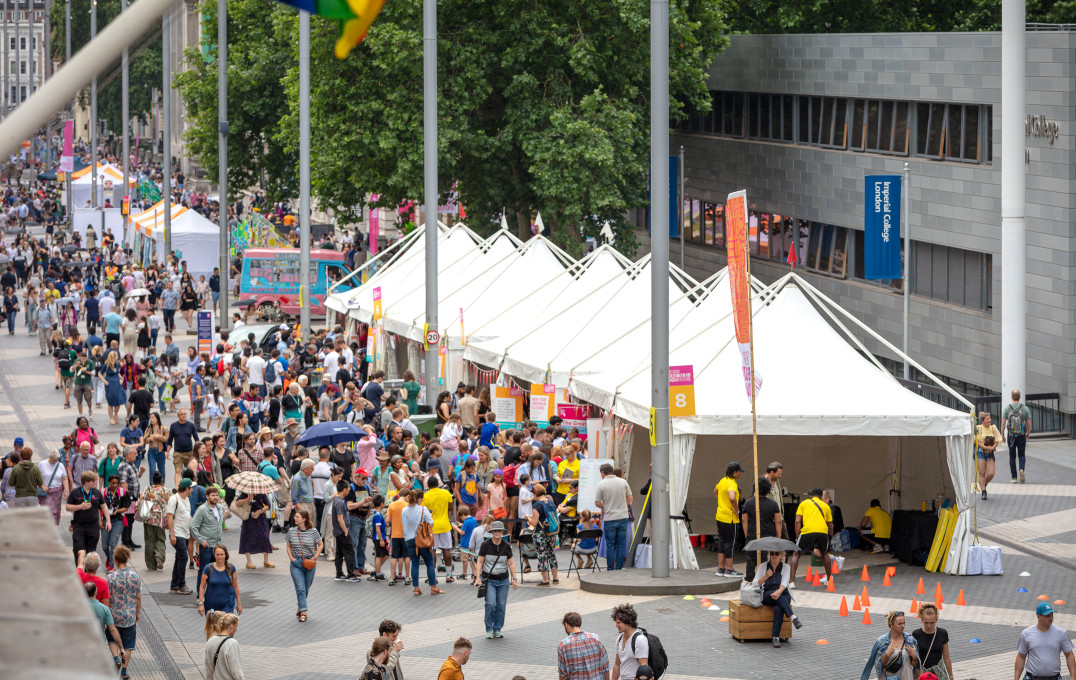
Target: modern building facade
{"points": [[799, 121], [22, 50]]}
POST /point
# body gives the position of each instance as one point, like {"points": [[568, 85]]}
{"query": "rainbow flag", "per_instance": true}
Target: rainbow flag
{"points": [[355, 18]]}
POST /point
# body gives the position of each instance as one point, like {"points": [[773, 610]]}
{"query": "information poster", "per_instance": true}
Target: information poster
{"points": [[573, 415], [508, 407], [681, 391], [589, 476], [543, 403], [205, 332]]}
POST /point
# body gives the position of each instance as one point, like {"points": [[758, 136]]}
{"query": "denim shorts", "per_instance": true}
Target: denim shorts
{"points": [[983, 455], [128, 636]]}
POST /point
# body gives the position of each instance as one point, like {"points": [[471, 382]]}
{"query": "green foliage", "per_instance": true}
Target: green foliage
{"points": [[542, 107], [144, 66], [259, 54]]}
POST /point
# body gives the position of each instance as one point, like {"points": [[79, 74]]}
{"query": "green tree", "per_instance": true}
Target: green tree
{"points": [[542, 107], [144, 65], [259, 54]]}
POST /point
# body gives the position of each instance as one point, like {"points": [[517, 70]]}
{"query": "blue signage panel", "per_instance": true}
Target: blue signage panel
{"points": [[881, 227]]}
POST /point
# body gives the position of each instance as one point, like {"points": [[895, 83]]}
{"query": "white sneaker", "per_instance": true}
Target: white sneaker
{"points": [[876, 549], [824, 580], [791, 585]]}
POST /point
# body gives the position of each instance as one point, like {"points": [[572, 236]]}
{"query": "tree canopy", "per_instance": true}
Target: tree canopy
{"points": [[542, 106]]}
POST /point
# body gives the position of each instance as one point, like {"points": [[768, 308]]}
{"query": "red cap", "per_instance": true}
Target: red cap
{"points": [[363, 472]]}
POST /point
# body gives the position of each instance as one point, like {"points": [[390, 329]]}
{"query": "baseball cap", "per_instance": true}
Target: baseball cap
{"points": [[644, 672], [363, 472], [1044, 609], [928, 676], [185, 484], [18, 441], [496, 526]]}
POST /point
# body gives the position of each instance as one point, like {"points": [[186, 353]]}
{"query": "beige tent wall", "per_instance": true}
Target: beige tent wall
{"points": [[856, 468]]}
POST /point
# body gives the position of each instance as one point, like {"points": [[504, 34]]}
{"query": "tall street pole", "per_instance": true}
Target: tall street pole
{"points": [[46, 67], [429, 152], [1013, 195], [304, 171], [222, 153], [166, 128], [6, 69], [659, 281], [907, 264], [125, 124], [67, 60], [93, 117], [18, 57]]}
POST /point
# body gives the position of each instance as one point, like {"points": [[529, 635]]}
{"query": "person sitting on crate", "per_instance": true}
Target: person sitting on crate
{"points": [[772, 577], [875, 527]]}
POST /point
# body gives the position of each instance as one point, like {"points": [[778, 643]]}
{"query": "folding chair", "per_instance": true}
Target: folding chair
{"points": [[527, 550], [582, 535]]}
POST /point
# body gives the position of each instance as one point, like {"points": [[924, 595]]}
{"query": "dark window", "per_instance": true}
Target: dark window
{"points": [[788, 110], [952, 275]]}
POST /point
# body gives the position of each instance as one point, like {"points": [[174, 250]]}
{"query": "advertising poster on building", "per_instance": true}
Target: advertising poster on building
{"points": [[881, 228]]}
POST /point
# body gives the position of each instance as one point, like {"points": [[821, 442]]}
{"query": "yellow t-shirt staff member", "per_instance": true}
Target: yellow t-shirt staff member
{"points": [[814, 526], [728, 516], [876, 527]]}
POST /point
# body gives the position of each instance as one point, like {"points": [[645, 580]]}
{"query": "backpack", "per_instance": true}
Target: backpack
{"points": [[270, 372], [552, 524], [509, 475], [63, 358], [1015, 421], [657, 659]]}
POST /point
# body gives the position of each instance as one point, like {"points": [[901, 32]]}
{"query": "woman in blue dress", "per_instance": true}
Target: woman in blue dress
{"points": [[218, 587], [114, 392]]}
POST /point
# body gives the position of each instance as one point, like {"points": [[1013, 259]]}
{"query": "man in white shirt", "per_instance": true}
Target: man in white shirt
{"points": [[177, 517], [106, 303], [331, 364], [256, 372], [323, 472]]}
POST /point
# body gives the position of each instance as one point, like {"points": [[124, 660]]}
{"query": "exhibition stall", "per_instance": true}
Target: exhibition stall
{"points": [[109, 186], [195, 239]]}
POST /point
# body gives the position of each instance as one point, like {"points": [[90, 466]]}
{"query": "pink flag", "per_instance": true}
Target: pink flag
{"points": [[67, 158]]}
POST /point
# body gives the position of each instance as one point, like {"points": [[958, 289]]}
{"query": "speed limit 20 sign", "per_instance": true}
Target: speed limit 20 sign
{"points": [[432, 337]]}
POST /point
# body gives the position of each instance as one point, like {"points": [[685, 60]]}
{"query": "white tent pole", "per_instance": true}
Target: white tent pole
{"points": [[398, 247], [399, 256], [887, 344], [853, 338]]}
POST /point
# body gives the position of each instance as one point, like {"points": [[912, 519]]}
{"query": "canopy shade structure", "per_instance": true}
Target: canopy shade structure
{"points": [[196, 239], [109, 185]]}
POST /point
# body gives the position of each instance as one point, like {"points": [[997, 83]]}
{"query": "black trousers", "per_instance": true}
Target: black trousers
{"points": [[344, 553], [84, 538]]}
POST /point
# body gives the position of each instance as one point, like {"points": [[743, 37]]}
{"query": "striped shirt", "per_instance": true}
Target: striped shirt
{"points": [[309, 539]]}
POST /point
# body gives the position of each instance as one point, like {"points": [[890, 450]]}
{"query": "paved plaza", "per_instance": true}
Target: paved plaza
{"points": [[1033, 522]]}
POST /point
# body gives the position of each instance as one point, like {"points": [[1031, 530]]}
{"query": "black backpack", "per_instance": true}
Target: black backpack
{"points": [[657, 658]]}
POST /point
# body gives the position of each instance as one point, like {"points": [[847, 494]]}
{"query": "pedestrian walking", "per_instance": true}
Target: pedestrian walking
{"points": [[543, 520], [254, 532], [303, 546], [496, 571], [178, 520], [222, 658], [218, 584], [728, 502], [376, 659], [27, 481], [892, 651], [933, 644], [632, 647], [87, 506], [814, 526], [151, 510], [772, 577], [1039, 651], [1016, 423], [206, 525], [613, 496], [391, 630], [54, 472], [117, 501], [125, 601], [452, 668], [581, 655], [987, 439]]}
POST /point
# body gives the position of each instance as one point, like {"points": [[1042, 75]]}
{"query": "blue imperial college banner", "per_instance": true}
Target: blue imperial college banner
{"points": [[881, 227]]}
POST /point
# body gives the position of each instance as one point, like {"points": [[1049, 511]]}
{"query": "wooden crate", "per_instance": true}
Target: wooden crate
{"points": [[754, 623]]}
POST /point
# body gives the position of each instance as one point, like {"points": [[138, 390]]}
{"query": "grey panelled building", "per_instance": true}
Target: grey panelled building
{"points": [[799, 120]]}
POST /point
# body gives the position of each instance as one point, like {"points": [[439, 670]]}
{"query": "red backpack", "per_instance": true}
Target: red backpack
{"points": [[509, 474]]}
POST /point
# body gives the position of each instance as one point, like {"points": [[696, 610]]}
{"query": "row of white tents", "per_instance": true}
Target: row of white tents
{"points": [[828, 410]]}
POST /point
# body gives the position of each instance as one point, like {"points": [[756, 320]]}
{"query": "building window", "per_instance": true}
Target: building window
{"points": [[770, 116], [22, 67], [956, 132], [880, 126], [958, 277], [823, 121], [22, 43]]}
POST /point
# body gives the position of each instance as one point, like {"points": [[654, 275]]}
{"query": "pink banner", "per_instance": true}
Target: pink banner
{"points": [[67, 158], [375, 225], [681, 375]]}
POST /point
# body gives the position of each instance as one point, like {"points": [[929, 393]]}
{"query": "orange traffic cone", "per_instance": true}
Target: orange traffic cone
{"points": [[843, 611], [920, 590], [885, 581], [830, 588], [865, 599], [856, 606], [892, 571], [939, 605], [835, 567], [938, 599], [810, 574], [866, 617], [864, 576], [915, 607], [960, 598], [817, 581]]}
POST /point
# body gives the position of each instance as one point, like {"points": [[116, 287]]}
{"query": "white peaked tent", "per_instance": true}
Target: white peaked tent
{"points": [[109, 185], [195, 238], [830, 414]]}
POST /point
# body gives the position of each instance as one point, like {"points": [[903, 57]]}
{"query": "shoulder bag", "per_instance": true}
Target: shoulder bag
{"points": [[216, 655], [55, 469], [308, 564], [483, 587], [145, 506], [240, 511], [424, 535]]}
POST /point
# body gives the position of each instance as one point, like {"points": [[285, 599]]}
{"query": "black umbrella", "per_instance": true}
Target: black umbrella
{"points": [[69, 249]]}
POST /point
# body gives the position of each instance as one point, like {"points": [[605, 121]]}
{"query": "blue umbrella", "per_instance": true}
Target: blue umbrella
{"points": [[331, 433]]}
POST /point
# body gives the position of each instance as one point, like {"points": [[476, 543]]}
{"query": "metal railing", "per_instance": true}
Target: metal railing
{"points": [[1047, 419], [1050, 27]]}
